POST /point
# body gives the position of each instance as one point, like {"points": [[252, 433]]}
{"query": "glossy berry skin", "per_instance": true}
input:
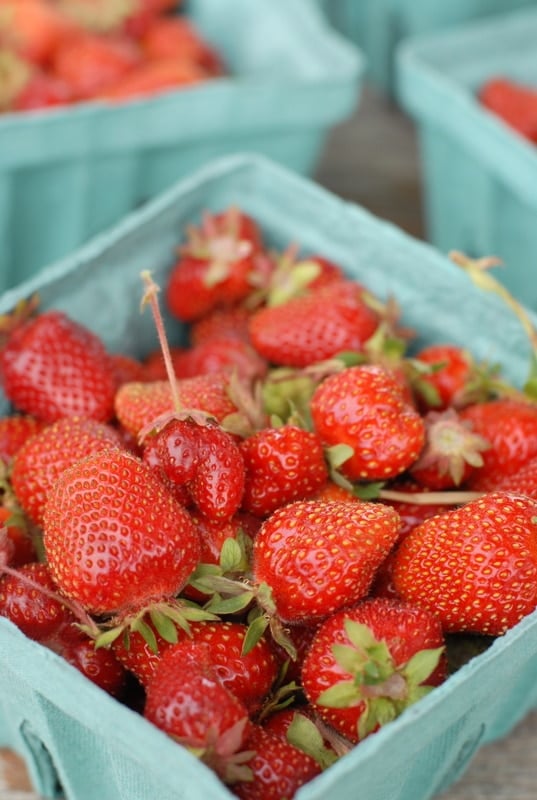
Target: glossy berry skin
{"points": [[476, 566], [405, 630], [453, 369], [186, 699], [510, 428], [52, 367], [313, 327], [282, 465], [364, 408], [279, 768], [14, 431], [41, 460], [319, 557], [115, 538], [35, 613]]}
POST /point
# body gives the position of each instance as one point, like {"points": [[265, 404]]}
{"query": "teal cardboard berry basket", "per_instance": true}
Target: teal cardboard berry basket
{"points": [[69, 173], [479, 175], [379, 26], [71, 732]]}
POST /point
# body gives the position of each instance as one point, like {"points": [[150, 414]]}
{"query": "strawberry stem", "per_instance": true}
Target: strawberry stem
{"points": [[150, 296], [429, 498]]}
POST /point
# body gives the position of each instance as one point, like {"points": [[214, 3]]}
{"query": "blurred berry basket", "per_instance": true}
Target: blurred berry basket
{"points": [[73, 734], [378, 26], [480, 176], [67, 173]]}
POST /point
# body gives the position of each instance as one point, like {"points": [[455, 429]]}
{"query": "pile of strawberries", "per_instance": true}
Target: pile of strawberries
{"points": [[59, 52], [264, 540], [514, 102]]}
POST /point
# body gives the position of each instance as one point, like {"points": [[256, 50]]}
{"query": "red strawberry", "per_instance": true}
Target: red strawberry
{"points": [[315, 326], [114, 537], [23, 601], [446, 384], [319, 557], [53, 367], [368, 663], [510, 427], [225, 354], [514, 102], [154, 368], [41, 90], [88, 63], [215, 266], [176, 37], [279, 768], [151, 78], [46, 455], [187, 700], [476, 566], [125, 369], [363, 408], [139, 404], [17, 546], [230, 322], [33, 28], [14, 431], [282, 465]]}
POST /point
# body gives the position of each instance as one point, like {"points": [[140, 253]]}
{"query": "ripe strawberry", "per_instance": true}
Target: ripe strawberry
{"points": [[154, 368], [514, 102], [368, 663], [452, 452], [53, 367], [17, 547], [39, 462], [115, 539], [282, 465], [33, 28], [447, 384], [14, 431], [151, 78], [125, 369], [315, 326], [88, 63], [363, 408], [138, 404], [510, 427], [228, 322], [176, 37], [22, 600], [476, 566], [215, 266], [279, 768], [187, 700], [41, 90], [225, 354], [319, 557]]}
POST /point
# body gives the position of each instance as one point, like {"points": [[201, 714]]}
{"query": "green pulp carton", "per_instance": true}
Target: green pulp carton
{"points": [[72, 733], [378, 26], [480, 176], [68, 173]]}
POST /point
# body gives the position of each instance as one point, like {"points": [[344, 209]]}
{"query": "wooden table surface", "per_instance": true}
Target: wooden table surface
{"points": [[373, 160]]}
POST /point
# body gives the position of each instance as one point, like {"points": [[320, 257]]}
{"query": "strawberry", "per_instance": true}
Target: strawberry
{"points": [[42, 90], [363, 408], [187, 700], [216, 265], [319, 557], [368, 663], [17, 547], [279, 768], [88, 63], [225, 354], [451, 454], [151, 78], [282, 465], [22, 600], [46, 455], [154, 368], [176, 37], [514, 102], [33, 28], [53, 367], [138, 404], [14, 431], [228, 322], [476, 566], [510, 428], [125, 368], [447, 383], [315, 326], [114, 537]]}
